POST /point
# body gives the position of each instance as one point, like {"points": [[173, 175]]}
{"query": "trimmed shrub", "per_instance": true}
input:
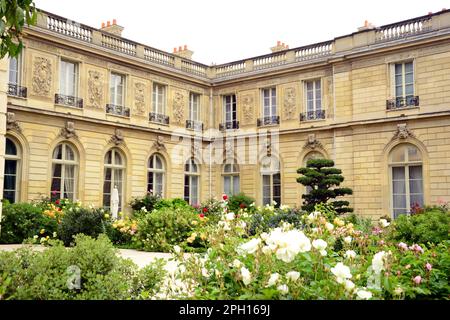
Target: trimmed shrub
{"points": [[240, 201]]}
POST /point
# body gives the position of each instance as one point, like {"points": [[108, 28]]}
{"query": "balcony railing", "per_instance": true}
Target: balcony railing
{"points": [[69, 101], [229, 125], [159, 118], [402, 102], [15, 90], [266, 121], [312, 115], [194, 125], [118, 110]]}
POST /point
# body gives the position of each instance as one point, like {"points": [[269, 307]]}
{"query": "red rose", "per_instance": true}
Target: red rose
{"points": [[225, 197], [243, 206], [57, 201], [205, 209], [202, 215]]}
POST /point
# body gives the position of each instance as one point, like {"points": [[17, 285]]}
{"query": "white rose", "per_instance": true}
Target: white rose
{"points": [[363, 294], [349, 285], [329, 226], [293, 275], [246, 276], [319, 244], [377, 262], [342, 272], [205, 273], [274, 277], [348, 240], [350, 254], [237, 263], [266, 250], [177, 249], [384, 223], [229, 216], [249, 247]]}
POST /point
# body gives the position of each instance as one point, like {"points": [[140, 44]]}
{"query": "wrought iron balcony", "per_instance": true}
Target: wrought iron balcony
{"points": [[229, 125], [117, 110], [268, 121], [194, 125], [402, 102], [15, 90], [312, 115], [69, 101], [159, 118]]}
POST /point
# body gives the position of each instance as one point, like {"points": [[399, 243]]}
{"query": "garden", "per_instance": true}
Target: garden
{"points": [[227, 248]]}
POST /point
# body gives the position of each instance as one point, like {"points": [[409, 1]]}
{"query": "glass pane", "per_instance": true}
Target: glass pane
{"points": [[158, 163], [9, 182], [186, 188], [57, 153], [10, 167], [227, 168], [398, 173], [416, 199], [108, 157], [409, 67], [227, 185], [159, 183], [57, 168], [194, 190], [409, 78], [398, 154], [10, 148], [70, 155], [414, 154], [236, 184], [13, 71], [150, 186], [399, 187], [10, 196], [56, 185], [409, 90], [398, 68], [415, 172], [400, 202], [106, 200], [117, 158]]}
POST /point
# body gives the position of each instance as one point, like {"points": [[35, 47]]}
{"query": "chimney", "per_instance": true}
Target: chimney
{"points": [[279, 47], [113, 28], [367, 26], [183, 52]]}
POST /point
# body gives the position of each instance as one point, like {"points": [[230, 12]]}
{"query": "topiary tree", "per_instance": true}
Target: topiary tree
{"points": [[323, 180]]}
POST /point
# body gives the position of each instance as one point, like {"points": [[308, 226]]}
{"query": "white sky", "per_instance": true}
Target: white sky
{"points": [[223, 31]]}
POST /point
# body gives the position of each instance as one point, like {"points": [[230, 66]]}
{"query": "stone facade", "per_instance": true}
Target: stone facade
{"points": [[356, 129]]}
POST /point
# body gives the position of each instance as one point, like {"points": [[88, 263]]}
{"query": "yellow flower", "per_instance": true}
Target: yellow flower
{"points": [[203, 236], [42, 231], [339, 222], [194, 223], [106, 216]]}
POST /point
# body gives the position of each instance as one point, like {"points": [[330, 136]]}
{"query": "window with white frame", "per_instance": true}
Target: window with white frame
{"points": [[406, 174], [191, 182], [231, 179], [159, 98], [271, 181], [117, 89], [230, 109], [114, 177], [12, 171], [313, 91], [64, 172], [156, 175], [269, 97], [194, 107], [404, 83], [14, 70], [68, 78]]}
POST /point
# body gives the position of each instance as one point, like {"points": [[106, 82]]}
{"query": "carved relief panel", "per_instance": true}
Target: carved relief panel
{"points": [[289, 103], [42, 75], [140, 96], [248, 102], [96, 88], [179, 106]]}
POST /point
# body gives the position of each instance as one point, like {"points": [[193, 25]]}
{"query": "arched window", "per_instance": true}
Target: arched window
{"points": [[405, 162], [12, 171], [231, 180], [156, 175], [64, 172], [191, 182], [271, 180], [313, 155], [114, 177]]}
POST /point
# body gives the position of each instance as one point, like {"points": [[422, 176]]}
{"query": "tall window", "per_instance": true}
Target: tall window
{"points": [[64, 172], [269, 102], [230, 108], [312, 156], [68, 78], [11, 177], [313, 97], [117, 89], [405, 163], [156, 173], [194, 107], [271, 181], [231, 180], [114, 177], [191, 182], [404, 81], [14, 70], [159, 98]]}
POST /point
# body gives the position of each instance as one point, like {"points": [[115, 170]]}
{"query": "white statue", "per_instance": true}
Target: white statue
{"points": [[115, 203]]}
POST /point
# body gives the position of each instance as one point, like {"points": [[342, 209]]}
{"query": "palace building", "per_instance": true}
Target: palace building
{"points": [[88, 110]]}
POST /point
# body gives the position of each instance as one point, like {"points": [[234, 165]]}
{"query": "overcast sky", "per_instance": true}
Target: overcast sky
{"points": [[220, 31]]}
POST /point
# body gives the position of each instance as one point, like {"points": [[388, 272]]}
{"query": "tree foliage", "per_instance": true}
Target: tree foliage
{"points": [[323, 180], [13, 16]]}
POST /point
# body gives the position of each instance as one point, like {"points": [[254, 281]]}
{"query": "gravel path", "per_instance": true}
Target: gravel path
{"points": [[140, 258]]}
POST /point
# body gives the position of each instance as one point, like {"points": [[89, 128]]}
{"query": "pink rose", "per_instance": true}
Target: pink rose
{"points": [[417, 280], [403, 246], [428, 266]]}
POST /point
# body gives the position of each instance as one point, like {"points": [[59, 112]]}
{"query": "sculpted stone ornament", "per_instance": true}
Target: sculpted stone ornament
{"points": [[312, 142], [95, 89], [117, 137], [42, 76], [289, 104], [11, 122], [195, 148], [159, 143], [402, 132], [139, 98], [69, 130], [229, 150], [178, 107], [248, 108]]}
